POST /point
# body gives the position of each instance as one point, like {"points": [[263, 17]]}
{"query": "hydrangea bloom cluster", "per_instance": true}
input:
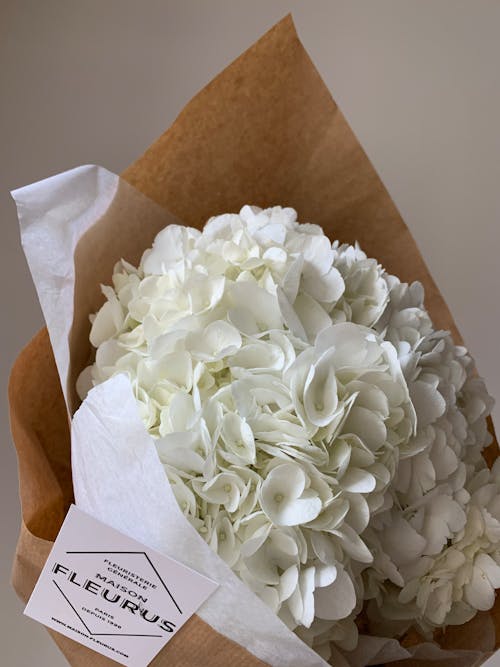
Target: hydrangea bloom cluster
{"points": [[316, 430], [437, 549]]}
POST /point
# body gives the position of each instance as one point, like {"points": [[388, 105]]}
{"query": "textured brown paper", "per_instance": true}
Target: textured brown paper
{"points": [[265, 131]]}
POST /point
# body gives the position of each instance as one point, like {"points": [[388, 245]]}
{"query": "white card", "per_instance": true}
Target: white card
{"points": [[112, 593]]}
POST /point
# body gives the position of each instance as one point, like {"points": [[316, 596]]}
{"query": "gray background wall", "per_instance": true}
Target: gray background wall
{"points": [[96, 81]]}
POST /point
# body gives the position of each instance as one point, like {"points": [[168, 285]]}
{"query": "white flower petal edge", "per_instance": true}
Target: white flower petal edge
{"points": [[316, 430]]}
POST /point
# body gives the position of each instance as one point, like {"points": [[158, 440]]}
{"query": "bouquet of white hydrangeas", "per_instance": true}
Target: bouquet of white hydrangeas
{"points": [[317, 431], [267, 406]]}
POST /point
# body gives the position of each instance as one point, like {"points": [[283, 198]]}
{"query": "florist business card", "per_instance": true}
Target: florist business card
{"points": [[112, 593]]}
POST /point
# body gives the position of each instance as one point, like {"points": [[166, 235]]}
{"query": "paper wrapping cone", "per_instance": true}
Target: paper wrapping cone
{"points": [[265, 131]]}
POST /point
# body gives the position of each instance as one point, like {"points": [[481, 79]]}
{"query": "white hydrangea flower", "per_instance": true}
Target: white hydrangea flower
{"points": [[418, 543], [317, 432], [462, 576]]}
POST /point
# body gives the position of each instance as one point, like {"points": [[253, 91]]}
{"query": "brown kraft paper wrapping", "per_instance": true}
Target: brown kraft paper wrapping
{"points": [[265, 131]]}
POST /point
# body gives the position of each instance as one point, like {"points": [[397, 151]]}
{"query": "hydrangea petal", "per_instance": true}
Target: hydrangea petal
{"points": [[337, 600], [284, 498], [479, 592], [356, 480], [219, 339], [428, 402], [489, 567], [288, 582]]}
